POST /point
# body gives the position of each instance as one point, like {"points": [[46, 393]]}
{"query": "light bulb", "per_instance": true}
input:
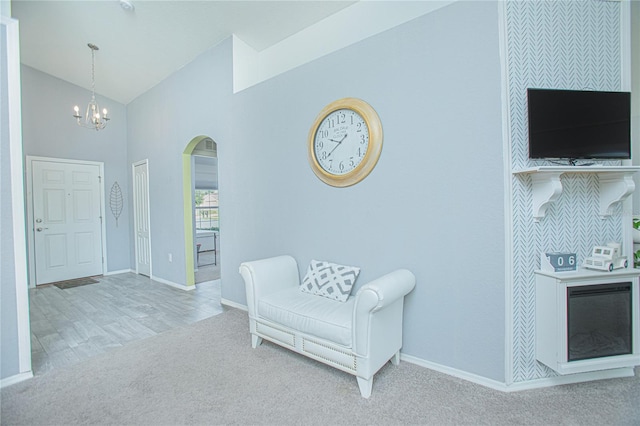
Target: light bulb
{"points": [[76, 109], [104, 112]]}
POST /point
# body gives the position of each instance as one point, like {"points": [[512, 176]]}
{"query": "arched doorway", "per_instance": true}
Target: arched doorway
{"points": [[200, 146]]}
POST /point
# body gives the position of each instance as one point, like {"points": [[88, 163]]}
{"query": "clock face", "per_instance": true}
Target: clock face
{"points": [[341, 141]]}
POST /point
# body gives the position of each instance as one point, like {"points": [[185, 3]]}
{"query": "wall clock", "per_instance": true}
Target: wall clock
{"points": [[345, 142]]}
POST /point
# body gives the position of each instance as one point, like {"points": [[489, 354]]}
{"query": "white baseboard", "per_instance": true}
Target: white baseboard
{"points": [[175, 285], [614, 373], [209, 282], [233, 304], [520, 386], [470, 377], [121, 271], [8, 381]]}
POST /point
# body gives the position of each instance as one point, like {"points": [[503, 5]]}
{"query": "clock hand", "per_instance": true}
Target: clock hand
{"points": [[340, 141], [338, 144]]}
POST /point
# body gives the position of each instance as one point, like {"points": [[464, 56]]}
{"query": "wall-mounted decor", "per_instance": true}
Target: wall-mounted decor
{"points": [[345, 142], [115, 201]]}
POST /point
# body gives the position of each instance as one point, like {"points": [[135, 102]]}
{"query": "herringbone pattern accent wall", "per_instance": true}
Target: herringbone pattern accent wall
{"points": [[564, 45]]}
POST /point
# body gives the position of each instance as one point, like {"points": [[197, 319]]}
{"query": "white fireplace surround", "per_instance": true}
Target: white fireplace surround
{"points": [[551, 319]]}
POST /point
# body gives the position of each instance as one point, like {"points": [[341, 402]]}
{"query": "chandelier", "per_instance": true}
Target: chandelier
{"points": [[92, 118]]}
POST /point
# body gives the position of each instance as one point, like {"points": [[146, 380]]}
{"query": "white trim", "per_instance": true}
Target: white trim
{"points": [[570, 379], [121, 271], [232, 304], [172, 284], [209, 282], [17, 193], [29, 195], [135, 216], [520, 386], [8, 381], [508, 194], [470, 377]]}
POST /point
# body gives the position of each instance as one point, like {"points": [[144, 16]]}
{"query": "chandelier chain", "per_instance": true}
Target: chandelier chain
{"points": [[93, 73]]}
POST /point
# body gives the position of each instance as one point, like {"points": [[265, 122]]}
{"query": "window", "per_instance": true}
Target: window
{"points": [[206, 209]]}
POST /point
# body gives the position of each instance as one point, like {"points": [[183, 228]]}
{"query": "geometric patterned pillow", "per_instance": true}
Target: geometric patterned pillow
{"points": [[329, 280]]}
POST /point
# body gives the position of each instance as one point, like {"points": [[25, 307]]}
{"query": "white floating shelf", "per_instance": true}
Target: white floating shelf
{"points": [[616, 184]]}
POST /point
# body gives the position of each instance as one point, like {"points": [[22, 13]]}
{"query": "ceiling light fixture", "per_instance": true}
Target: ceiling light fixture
{"points": [[92, 118]]}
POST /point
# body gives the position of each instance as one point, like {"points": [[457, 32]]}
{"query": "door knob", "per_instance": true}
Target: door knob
{"points": [[38, 220], [40, 229]]}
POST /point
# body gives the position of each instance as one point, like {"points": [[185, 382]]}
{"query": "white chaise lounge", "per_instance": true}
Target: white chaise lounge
{"points": [[358, 336]]}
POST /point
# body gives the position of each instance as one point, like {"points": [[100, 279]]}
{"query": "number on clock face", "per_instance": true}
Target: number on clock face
{"points": [[341, 141]]}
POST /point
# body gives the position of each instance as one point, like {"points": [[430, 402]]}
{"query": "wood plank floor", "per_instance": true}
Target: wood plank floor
{"points": [[70, 325]]}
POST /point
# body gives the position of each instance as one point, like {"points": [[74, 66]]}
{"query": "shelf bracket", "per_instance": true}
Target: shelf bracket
{"points": [[547, 187], [615, 187]]}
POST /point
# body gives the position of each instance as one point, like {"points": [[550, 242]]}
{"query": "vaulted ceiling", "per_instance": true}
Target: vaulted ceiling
{"points": [[138, 48]]}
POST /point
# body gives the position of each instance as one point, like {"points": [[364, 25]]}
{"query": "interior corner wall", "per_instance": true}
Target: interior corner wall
{"points": [[565, 45], [49, 130], [433, 204]]}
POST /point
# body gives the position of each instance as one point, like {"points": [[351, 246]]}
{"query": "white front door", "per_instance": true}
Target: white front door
{"points": [[141, 217], [67, 220]]}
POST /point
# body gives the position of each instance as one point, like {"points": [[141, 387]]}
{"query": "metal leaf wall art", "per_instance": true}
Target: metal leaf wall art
{"points": [[115, 201]]}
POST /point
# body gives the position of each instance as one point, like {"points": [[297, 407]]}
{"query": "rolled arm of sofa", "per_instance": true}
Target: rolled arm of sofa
{"points": [[266, 276], [382, 298]]}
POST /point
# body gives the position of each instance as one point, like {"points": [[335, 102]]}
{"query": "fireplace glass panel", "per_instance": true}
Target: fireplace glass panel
{"points": [[599, 321]]}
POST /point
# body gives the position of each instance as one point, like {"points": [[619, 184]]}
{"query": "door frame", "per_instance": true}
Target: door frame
{"points": [[29, 213], [135, 215], [188, 203]]}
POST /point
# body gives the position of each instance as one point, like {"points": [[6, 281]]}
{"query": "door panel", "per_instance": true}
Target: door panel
{"points": [[83, 245], [67, 220], [55, 251], [54, 206], [83, 209]]}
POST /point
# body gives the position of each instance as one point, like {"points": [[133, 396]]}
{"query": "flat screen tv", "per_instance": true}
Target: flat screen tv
{"points": [[577, 124]]}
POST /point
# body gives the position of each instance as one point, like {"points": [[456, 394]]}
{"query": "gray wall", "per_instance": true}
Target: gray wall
{"points": [[9, 364], [49, 130], [434, 203], [194, 101]]}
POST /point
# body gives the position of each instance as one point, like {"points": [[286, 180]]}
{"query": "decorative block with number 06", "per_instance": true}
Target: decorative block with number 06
{"points": [[558, 262]]}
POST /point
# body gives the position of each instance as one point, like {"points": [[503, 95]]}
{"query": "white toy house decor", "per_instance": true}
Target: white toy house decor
{"points": [[606, 258]]}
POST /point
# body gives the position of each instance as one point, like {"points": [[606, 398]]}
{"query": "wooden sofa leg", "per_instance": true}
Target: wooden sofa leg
{"points": [[395, 360], [255, 341], [365, 386]]}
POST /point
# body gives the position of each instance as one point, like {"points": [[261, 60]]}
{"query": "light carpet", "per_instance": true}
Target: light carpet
{"points": [[207, 373]]}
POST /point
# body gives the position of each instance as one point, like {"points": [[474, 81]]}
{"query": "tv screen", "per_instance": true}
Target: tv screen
{"points": [[575, 124]]}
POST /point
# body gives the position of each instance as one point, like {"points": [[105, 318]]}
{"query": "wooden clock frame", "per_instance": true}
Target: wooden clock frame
{"points": [[374, 148]]}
